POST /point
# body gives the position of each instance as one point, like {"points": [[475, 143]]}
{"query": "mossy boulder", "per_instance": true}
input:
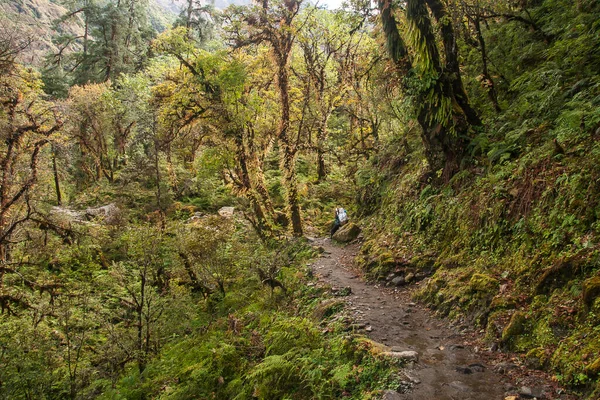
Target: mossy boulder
{"points": [[484, 283], [347, 233], [537, 358], [327, 308], [374, 348], [497, 320], [561, 272], [591, 290], [503, 302], [594, 368], [375, 259], [515, 327]]}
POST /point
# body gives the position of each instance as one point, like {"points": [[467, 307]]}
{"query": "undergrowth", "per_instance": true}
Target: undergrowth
{"points": [[265, 344]]}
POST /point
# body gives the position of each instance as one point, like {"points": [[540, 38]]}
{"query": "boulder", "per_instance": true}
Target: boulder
{"points": [[536, 358], [591, 290], [515, 327], [226, 212], [327, 308], [109, 214], [347, 233]]}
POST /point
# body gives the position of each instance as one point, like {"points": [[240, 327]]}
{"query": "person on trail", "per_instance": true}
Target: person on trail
{"points": [[340, 219]]}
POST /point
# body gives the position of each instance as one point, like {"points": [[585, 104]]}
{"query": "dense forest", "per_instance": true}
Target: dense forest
{"points": [[162, 180]]}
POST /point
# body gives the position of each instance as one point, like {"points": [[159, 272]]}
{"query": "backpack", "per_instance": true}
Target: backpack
{"points": [[342, 216]]}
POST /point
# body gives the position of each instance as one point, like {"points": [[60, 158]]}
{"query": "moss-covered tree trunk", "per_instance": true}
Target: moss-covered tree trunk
{"points": [[444, 110], [287, 146], [321, 139], [451, 71], [262, 224]]}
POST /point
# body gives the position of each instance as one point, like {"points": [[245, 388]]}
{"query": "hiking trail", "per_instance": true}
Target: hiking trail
{"points": [[451, 365]]}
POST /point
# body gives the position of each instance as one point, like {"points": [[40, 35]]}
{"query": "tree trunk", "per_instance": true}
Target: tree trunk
{"points": [[491, 86], [452, 70], [288, 150], [247, 188], [56, 179], [442, 150], [140, 325], [321, 138], [261, 187]]}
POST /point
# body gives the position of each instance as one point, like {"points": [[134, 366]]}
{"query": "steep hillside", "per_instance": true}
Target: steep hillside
{"points": [[35, 18]]}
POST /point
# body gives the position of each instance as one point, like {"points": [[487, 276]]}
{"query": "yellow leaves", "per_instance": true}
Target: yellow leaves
{"points": [[174, 41], [88, 96]]}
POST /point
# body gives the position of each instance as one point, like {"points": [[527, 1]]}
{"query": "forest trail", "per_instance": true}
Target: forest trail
{"points": [[391, 318]]}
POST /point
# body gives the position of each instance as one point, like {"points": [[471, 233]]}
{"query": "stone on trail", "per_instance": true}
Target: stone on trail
{"points": [[341, 292], [398, 281], [408, 355], [347, 233], [526, 392], [504, 367], [464, 370], [391, 395], [477, 367], [412, 379]]}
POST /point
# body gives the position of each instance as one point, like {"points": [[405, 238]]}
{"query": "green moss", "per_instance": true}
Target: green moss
{"points": [[503, 302], [591, 290], [594, 368], [376, 259], [542, 332], [537, 358], [483, 283], [327, 308], [496, 322], [515, 327]]}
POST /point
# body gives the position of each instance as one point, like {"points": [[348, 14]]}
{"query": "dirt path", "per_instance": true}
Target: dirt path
{"points": [[448, 367]]}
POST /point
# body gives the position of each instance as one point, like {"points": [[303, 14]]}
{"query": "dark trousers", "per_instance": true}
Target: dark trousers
{"points": [[335, 227]]}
